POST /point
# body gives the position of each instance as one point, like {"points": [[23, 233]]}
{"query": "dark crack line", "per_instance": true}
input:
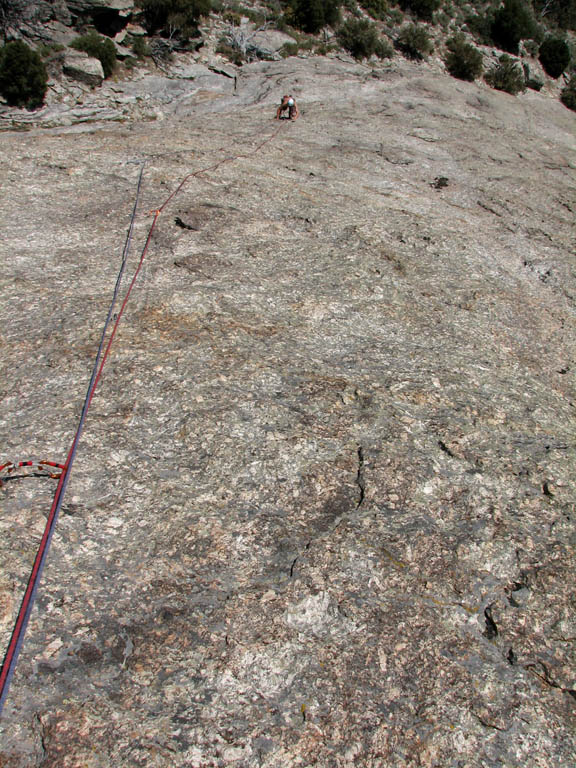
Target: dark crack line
{"points": [[548, 680], [307, 547], [487, 724], [360, 478], [42, 735]]}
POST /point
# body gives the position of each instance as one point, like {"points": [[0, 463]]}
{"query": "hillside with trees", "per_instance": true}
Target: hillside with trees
{"points": [[513, 45]]}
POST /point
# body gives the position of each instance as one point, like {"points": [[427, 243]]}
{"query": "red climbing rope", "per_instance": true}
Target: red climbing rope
{"points": [[19, 630], [41, 466]]}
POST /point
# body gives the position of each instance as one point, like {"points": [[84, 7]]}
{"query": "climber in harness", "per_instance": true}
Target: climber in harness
{"points": [[288, 104]]}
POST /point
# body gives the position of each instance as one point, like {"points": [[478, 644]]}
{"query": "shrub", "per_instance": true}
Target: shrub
{"points": [[360, 38], [47, 50], [324, 49], [414, 41], [232, 17], [506, 75], [140, 47], [395, 17], [23, 77], [554, 56], [312, 15], [100, 48], [288, 49], [376, 8], [171, 16], [463, 60], [230, 52], [513, 22], [384, 49], [423, 9], [568, 95]]}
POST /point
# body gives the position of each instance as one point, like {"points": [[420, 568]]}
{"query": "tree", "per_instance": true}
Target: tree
{"points": [[554, 56], [23, 77], [513, 22], [174, 16], [312, 15], [423, 9], [414, 42], [463, 60], [360, 38], [376, 8]]}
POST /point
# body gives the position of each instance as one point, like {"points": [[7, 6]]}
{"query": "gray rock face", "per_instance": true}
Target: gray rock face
{"points": [[322, 511], [271, 39], [266, 43], [83, 68], [108, 16], [87, 6]]}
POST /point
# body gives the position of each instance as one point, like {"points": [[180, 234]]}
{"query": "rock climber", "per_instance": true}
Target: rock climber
{"points": [[288, 104]]}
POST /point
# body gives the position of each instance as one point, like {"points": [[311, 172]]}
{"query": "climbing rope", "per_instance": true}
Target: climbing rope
{"points": [[19, 630], [41, 466]]}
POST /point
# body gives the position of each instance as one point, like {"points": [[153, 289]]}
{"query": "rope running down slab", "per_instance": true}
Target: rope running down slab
{"points": [[19, 630]]}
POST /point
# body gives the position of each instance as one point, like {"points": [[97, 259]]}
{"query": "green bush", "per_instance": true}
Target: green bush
{"points": [[414, 42], [47, 50], [324, 49], [288, 49], [312, 15], [100, 48], [395, 17], [230, 52], [384, 49], [506, 75], [376, 8], [463, 60], [23, 77], [554, 56], [360, 38], [512, 23], [169, 16], [140, 47], [568, 95], [232, 17], [423, 9]]}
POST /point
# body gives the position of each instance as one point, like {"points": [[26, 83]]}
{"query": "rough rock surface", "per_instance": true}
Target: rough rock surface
{"points": [[271, 39], [83, 68], [322, 511]]}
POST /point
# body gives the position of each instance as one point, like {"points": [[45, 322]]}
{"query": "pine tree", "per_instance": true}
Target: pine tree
{"points": [[23, 77]]}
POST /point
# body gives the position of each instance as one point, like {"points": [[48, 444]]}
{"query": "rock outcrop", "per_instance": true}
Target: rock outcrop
{"points": [[83, 68], [322, 511]]}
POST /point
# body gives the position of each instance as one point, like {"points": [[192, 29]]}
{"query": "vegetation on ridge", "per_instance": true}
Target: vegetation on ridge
{"points": [[532, 30]]}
